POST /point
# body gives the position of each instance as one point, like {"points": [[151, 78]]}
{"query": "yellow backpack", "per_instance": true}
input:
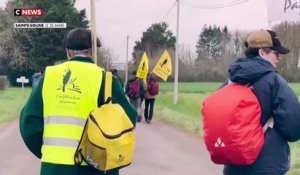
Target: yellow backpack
{"points": [[108, 139]]}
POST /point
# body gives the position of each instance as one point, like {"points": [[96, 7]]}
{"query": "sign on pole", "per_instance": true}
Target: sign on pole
{"points": [[93, 31], [22, 80]]}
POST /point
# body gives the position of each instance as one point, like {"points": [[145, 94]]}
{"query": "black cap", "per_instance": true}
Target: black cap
{"points": [[276, 44], [266, 39], [79, 39]]}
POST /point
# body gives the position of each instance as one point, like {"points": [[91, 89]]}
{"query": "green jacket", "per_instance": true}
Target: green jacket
{"points": [[32, 125]]}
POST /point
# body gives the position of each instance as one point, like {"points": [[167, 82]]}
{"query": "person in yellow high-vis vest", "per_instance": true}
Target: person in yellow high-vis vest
{"points": [[52, 120]]}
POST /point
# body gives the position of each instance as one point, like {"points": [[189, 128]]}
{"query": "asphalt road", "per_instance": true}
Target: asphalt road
{"points": [[161, 150], [15, 159]]}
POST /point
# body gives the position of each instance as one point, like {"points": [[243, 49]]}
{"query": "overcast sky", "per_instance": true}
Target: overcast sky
{"points": [[116, 19]]}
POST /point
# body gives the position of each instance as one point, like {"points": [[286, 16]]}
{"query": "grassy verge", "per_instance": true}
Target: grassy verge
{"points": [[187, 115], [295, 159], [11, 101]]}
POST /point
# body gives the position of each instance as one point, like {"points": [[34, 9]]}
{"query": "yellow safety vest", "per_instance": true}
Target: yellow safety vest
{"points": [[70, 92]]}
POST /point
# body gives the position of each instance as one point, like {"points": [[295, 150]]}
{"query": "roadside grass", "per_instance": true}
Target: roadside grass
{"points": [[187, 113], [190, 87], [12, 101], [295, 159]]}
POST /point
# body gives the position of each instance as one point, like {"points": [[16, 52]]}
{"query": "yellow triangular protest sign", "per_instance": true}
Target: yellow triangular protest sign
{"points": [[163, 67], [143, 67]]}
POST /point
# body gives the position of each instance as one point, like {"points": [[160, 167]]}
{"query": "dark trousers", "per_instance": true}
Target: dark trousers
{"points": [[148, 112], [240, 170]]}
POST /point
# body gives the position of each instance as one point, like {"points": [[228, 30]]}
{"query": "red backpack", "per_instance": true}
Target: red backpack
{"points": [[231, 122], [153, 87], [134, 89]]}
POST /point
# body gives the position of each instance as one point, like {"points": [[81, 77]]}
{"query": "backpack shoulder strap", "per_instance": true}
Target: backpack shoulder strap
{"points": [[229, 81], [108, 87]]}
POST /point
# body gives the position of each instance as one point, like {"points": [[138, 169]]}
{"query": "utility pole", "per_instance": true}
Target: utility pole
{"points": [[93, 31], [176, 57], [126, 64], [107, 67]]}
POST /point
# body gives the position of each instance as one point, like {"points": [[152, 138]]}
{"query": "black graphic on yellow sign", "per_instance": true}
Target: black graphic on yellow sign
{"points": [[165, 62], [163, 67], [143, 67], [69, 83]]}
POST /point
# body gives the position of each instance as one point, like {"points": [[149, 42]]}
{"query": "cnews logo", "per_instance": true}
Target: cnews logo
{"points": [[28, 12]]}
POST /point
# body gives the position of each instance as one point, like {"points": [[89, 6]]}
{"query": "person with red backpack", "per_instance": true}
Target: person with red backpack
{"points": [[134, 89], [151, 90], [275, 99]]}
